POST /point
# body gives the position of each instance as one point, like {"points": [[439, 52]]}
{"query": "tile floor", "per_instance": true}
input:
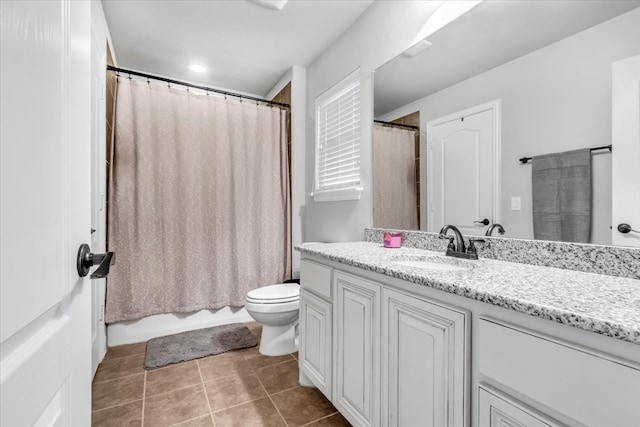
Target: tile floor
{"points": [[240, 388]]}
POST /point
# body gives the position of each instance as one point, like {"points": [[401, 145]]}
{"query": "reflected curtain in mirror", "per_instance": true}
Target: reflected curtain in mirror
{"points": [[394, 178], [199, 201]]}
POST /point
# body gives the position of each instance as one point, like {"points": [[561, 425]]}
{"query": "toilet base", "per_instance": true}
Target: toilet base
{"points": [[278, 340]]}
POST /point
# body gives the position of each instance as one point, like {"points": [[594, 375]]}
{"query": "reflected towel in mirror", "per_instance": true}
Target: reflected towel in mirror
{"points": [[562, 196]]}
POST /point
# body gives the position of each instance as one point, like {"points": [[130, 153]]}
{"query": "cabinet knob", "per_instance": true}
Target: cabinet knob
{"points": [[626, 228]]}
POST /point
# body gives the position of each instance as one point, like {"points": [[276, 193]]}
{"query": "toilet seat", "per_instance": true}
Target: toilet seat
{"points": [[275, 294], [277, 308]]}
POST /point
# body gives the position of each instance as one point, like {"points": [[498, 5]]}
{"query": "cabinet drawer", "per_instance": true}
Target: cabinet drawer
{"points": [[589, 388], [316, 277], [495, 409]]}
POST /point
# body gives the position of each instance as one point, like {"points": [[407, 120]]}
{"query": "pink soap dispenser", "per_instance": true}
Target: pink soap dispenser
{"points": [[392, 240]]}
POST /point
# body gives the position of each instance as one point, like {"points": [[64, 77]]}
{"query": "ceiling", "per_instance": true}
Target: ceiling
{"points": [[490, 34], [244, 46]]}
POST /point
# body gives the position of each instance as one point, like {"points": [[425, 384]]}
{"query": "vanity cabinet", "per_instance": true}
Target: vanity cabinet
{"points": [[424, 362], [388, 352], [357, 349], [383, 357]]}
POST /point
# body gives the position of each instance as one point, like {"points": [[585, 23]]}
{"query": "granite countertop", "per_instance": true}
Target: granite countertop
{"points": [[607, 305]]}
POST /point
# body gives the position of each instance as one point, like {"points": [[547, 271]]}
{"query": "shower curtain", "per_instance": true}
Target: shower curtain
{"points": [[394, 178], [199, 201]]}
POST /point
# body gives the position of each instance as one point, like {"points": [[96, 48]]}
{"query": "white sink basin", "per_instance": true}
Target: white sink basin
{"points": [[431, 265], [434, 262]]}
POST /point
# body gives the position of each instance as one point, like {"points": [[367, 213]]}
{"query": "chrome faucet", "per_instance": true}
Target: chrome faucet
{"points": [[458, 248], [493, 227]]}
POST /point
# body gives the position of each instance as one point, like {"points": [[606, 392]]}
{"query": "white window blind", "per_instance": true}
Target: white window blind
{"points": [[338, 137]]}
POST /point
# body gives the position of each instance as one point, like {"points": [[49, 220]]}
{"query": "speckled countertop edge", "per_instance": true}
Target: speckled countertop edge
{"points": [[606, 305]]}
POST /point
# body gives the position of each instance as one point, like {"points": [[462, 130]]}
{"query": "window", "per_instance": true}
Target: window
{"points": [[337, 175]]}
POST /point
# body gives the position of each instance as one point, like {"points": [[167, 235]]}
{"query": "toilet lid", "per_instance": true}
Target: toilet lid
{"points": [[285, 292]]}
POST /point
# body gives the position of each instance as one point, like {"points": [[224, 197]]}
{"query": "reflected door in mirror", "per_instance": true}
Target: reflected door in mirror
{"points": [[461, 171]]}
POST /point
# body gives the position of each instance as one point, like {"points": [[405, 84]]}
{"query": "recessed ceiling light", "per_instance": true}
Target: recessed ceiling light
{"points": [[197, 68], [271, 4], [416, 48]]}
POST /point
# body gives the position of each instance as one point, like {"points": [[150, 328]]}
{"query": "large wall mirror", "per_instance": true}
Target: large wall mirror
{"points": [[504, 81]]}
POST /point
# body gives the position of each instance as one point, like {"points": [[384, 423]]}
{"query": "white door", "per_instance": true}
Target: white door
{"points": [[45, 336], [625, 160], [462, 169]]}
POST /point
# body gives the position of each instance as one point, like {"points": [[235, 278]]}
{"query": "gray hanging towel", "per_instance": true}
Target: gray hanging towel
{"points": [[562, 196]]}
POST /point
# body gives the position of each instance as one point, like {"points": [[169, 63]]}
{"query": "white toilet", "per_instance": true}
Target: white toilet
{"points": [[277, 308]]}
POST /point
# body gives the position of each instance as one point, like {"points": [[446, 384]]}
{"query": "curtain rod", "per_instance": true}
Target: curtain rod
{"points": [[205, 88], [397, 124], [609, 147]]}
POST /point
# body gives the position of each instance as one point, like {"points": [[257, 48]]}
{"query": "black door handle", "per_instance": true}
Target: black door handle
{"points": [[483, 222], [87, 259]]}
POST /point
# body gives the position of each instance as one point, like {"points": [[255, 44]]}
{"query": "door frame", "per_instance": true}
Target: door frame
{"points": [[625, 156], [98, 189], [427, 191]]}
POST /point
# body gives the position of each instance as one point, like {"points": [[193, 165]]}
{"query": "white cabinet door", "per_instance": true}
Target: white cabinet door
{"points": [[45, 308], [315, 341], [499, 411], [357, 349], [424, 363]]}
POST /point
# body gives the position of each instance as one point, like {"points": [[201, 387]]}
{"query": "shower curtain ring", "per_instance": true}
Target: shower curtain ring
{"points": [[129, 77]]}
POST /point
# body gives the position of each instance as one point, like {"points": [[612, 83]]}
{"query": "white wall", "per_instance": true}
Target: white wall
{"points": [[555, 99], [383, 31]]}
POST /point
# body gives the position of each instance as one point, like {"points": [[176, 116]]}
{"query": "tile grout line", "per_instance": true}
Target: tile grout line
{"points": [[239, 404], [144, 398], [172, 390], [114, 406], [273, 364], [171, 365], [206, 396], [272, 402], [107, 358], [322, 418], [284, 390], [118, 378], [186, 421]]}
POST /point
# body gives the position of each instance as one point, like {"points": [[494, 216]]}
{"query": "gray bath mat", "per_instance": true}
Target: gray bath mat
{"points": [[195, 344]]}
